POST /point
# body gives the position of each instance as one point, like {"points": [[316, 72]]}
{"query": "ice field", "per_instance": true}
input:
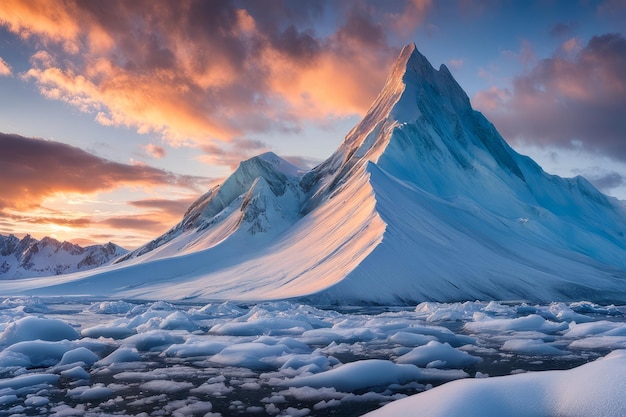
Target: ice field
{"points": [[61, 357]]}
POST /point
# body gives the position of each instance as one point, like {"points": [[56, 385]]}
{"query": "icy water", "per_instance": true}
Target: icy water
{"points": [[65, 358]]}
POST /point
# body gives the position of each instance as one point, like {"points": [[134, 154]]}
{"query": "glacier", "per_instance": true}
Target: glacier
{"points": [[423, 200]]}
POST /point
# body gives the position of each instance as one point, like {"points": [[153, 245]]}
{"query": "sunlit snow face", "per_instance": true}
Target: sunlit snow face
{"points": [[279, 358]]}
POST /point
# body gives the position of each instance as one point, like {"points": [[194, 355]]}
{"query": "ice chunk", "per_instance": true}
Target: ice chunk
{"points": [[34, 353], [24, 304], [195, 347], [439, 355], [313, 363], [35, 328], [442, 334], [113, 332], [562, 312], [261, 326], [199, 408], [226, 309], [76, 372], [338, 335], [178, 321], [410, 339], [295, 412], [599, 342], [369, 373], [532, 347], [8, 399], [255, 356], [28, 380], [122, 354], [154, 340], [589, 307], [597, 335], [111, 307], [87, 393], [80, 354], [431, 311], [166, 386], [36, 401], [215, 388], [577, 330], [528, 323]]}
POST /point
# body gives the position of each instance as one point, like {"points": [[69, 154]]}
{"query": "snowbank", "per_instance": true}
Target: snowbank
{"points": [[594, 389]]}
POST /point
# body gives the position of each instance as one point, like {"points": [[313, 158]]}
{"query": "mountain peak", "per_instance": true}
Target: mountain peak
{"points": [[29, 257], [414, 89], [424, 200], [280, 164], [409, 63], [415, 93]]}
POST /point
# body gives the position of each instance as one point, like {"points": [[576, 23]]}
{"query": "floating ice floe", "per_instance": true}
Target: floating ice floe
{"points": [[438, 355], [37, 328], [371, 373], [284, 358]]}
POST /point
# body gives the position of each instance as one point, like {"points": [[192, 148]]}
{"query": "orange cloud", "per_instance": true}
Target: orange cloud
{"points": [[35, 169], [160, 102], [491, 99], [50, 188], [52, 21], [42, 219], [5, 69], [456, 63], [411, 17], [196, 72], [340, 79], [155, 151], [174, 208], [233, 153], [571, 46], [140, 222], [158, 215]]}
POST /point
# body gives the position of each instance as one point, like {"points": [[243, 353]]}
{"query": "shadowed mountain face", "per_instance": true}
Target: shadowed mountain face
{"points": [[424, 200]]}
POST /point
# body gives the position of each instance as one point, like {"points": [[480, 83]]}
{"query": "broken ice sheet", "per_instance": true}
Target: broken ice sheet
{"points": [[278, 358]]}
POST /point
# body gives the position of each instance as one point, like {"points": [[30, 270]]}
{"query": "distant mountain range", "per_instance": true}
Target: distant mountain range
{"points": [[29, 257], [423, 200]]}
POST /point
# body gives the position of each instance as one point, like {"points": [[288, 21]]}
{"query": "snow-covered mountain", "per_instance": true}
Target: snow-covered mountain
{"points": [[423, 200], [29, 257]]}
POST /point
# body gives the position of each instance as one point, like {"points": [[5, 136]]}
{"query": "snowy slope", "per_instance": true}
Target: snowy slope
{"points": [[29, 257], [424, 200]]}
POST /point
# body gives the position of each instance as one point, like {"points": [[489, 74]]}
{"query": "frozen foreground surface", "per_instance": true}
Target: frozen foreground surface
{"points": [[64, 358], [594, 389]]}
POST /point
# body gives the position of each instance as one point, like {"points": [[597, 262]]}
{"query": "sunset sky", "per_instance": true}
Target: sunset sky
{"points": [[115, 115]]}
